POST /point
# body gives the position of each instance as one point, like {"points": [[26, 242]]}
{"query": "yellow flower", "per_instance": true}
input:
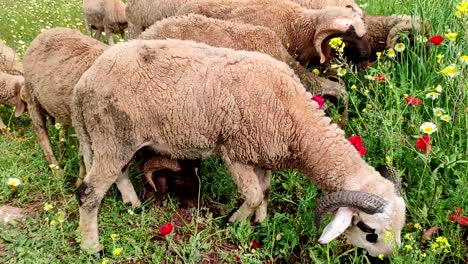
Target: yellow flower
{"points": [[366, 91], [450, 71], [438, 111], [462, 9], [378, 54], [54, 167], [353, 87], [114, 236], [421, 39], [438, 88], [428, 127], [388, 237], [399, 47], [380, 256], [408, 236], [316, 72], [452, 36], [443, 242], [391, 53], [104, 261], [417, 226], [445, 118], [440, 58], [388, 160], [337, 44], [464, 59], [13, 182], [117, 251], [53, 222], [48, 206], [423, 255], [61, 217], [432, 95], [408, 247], [341, 72]]}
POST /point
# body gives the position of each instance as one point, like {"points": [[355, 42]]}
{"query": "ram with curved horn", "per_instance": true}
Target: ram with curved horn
{"points": [[304, 32]]}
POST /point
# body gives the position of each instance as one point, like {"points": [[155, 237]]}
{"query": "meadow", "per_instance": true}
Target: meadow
{"points": [[388, 105]]}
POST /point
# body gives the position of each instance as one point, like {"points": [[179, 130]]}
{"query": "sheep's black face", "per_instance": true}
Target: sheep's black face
{"points": [[357, 50]]}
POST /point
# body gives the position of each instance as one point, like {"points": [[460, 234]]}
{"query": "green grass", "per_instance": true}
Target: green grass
{"points": [[434, 184]]}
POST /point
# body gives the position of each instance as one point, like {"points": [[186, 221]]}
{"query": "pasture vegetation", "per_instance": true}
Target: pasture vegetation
{"points": [[435, 183]]}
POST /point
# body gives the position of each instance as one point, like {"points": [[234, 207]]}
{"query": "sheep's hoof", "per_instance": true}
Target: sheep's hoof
{"points": [[92, 249], [260, 214]]}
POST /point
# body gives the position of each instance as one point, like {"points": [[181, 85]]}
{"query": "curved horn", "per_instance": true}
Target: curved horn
{"points": [[366, 202], [401, 23], [337, 26], [391, 174]]}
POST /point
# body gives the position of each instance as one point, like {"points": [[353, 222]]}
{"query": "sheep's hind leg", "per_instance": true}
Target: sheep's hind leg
{"points": [[126, 189], [98, 34], [110, 37], [40, 127], [264, 179], [90, 194]]}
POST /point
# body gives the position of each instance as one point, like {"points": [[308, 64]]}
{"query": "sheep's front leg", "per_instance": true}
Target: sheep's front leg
{"points": [[90, 194], [40, 127], [264, 177], [126, 189], [110, 37], [98, 34]]}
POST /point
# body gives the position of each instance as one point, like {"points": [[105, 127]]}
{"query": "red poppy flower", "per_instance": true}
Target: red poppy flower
{"points": [[424, 144], [380, 78], [356, 141], [414, 101], [436, 40], [458, 217], [238, 259], [255, 244], [320, 101], [166, 229], [369, 64]]}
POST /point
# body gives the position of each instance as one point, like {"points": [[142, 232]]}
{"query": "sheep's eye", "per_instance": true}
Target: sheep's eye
{"points": [[365, 228], [372, 238]]}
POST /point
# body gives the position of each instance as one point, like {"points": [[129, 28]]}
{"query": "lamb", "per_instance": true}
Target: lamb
{"points": [[381, 30], [188, 100], [53, 64], [9, 61], [10, 86], [227, 34], [105, 15], [144, 13], [304, 32]]}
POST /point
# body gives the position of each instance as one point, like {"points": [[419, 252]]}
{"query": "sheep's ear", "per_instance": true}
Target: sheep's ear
{"points": [[20, 106], [338, 225]]}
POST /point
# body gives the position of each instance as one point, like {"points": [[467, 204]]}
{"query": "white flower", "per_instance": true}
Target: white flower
{"points": [[445, 118], [432, 95], [399, 47], [438, 111], [58, 126], [14, 182], [438, 88], [54, 166], [428, 127], [341, 71]]}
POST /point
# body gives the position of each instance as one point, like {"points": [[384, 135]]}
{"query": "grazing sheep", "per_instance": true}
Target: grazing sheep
{"points": [[305, 32], [105, 16], [10, 87], [187, 100], [53, 64], [382, 31], [9, 61], [142, 14], [227, 34]]}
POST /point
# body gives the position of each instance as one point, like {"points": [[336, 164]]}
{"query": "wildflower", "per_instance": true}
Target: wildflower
{"points": [[356, 141], [316, 72], [445, 118], [54, 167], [399, 47], [380, 78], [369, 77], [391, 53], [413, 101], [13, 182], [104, 261], [428, 127], [61, 217], [353, 87], [53, 222], [452, 36], [114, 237], [366, 91], [388, 237], [130, 212], [417, 226], [436, 40], [48, 206], [438, 88], [450, 71], [408, 247], [378, 54], [464, 59], [408, 236], [438, 111], [432, 95], [381, 256], [423, 255], [337, 44], [388, 160], [166, 229], [117, 251], [341, 72], [440, 58], [458, 217], [421, 39], [58, 126], [255, 244], [462, 9], [319, 100], [424, 144]]}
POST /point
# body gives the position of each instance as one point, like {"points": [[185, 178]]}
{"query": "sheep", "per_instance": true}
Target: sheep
{"points": [[105, 15], [188, 100], [53, 64], [382, 31], [9, 61], [10, 86], [227, 34], [144, 13], [304, 32]]}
